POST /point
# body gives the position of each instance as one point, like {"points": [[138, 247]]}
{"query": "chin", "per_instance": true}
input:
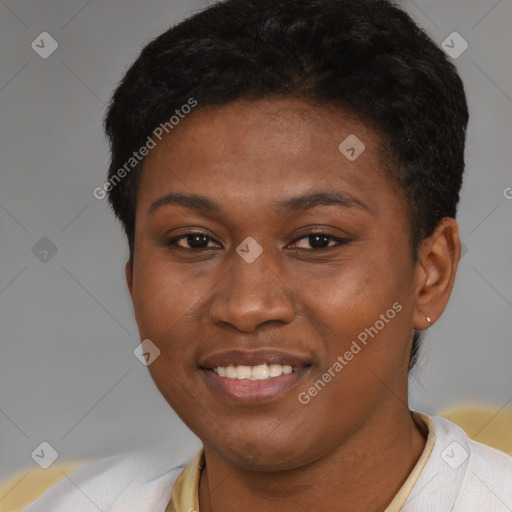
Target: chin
{"points": [[266, 455]]}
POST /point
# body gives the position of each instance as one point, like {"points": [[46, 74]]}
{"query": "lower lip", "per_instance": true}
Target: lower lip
{"points": [[254, 391]]}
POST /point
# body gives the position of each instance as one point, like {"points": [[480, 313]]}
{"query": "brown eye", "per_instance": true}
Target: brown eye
{"points": [[192, 241], [319, 240]]}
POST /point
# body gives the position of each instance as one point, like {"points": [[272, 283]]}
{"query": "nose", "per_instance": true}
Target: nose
{"points": [[252, 294]]}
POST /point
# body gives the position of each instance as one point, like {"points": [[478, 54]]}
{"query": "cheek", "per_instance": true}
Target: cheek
{"points": [[162, 299], [160, 286], [163, 304], [364, 357], [362, 308], [357, 289]]}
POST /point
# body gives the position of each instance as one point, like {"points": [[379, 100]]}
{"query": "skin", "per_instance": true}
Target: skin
{"points": [[354, 444]]}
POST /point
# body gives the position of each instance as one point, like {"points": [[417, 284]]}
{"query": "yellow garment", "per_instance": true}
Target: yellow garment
{"points": [[185, 495]]}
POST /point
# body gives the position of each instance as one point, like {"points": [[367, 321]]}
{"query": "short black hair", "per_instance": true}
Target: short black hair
{"points": [[367, 57]]}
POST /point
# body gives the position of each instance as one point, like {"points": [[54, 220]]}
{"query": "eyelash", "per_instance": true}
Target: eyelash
{"points": [[339, 241]]}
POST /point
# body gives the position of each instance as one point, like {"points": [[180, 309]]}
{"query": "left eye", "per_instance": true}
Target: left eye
{"points": [[321, 240]]}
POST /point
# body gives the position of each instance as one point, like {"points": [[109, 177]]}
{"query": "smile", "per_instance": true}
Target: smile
{"points": [[253, 377], [259, 372]]}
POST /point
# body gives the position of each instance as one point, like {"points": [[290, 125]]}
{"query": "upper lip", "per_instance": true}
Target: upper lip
{"points": [[253, 358]]}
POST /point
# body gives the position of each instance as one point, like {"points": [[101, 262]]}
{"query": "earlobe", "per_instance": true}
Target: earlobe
{"points": [[128, 271], [437, 267]]}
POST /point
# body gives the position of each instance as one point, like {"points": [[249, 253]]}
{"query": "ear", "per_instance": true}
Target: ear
{"points": [[128, 271], [438, 259]]}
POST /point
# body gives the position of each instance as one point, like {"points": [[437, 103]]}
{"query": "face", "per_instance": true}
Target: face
{"points": [[289, 254]]}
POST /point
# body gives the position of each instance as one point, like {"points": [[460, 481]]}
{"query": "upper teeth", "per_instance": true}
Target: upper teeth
{"points": [[259, 372]]}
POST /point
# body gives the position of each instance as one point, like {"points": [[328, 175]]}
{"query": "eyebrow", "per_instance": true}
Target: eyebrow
{"points": [[191, 201], [289, 205], [309, 201]]}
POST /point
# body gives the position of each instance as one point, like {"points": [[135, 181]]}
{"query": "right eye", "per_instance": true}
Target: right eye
{"points": [[194, 240]]}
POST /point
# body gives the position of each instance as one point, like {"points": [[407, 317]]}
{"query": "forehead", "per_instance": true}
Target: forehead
{"points": [[249, 151]]}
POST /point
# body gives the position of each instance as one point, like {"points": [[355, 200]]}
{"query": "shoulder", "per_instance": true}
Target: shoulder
{"points": [[480, 456], [132, 481], [487, 483], [462, 475]]}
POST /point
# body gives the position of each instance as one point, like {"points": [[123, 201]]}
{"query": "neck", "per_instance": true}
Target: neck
{"points": [[364, 473]]}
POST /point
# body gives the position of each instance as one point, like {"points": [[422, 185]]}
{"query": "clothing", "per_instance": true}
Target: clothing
{"points": [[453, 474], [185, 497]]}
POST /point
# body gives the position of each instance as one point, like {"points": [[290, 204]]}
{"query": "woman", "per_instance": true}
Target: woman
{"points": [[287, 174]]}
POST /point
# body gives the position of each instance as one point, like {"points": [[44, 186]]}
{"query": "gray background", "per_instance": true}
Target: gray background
{"points": [[67, 370]]}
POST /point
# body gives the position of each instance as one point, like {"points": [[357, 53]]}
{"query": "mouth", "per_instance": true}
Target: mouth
{"points": [[253, 377], [259, 372]]}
